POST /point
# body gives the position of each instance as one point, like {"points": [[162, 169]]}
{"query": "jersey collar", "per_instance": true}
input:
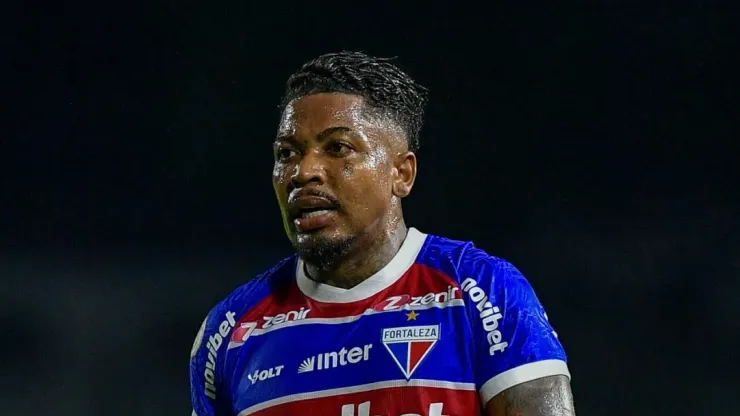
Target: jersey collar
{"points": [[381, 280]]}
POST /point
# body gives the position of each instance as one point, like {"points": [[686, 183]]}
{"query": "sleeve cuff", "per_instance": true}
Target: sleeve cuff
{"points": [[521, 374]]}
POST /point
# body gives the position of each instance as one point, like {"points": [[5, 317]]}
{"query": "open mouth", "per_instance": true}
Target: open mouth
{"points": [[312, 219], [313, 212]]}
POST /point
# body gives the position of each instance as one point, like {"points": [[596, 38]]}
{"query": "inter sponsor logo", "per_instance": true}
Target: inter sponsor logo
{"points": [[490, 315], [328, 360], [214, 344], [401, 301], [409, 345]]}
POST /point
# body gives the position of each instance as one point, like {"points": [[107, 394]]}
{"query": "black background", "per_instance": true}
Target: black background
{"points": [[594, 147]]}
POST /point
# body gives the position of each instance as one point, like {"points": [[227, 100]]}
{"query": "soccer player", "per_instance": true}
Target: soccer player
{"points": [[371, 317]]}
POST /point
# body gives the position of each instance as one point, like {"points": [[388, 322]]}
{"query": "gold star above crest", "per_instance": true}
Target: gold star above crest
{"points": [[411, 316]]}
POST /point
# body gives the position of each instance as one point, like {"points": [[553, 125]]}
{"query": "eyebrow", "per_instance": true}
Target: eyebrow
{"points": [[321, 136]]}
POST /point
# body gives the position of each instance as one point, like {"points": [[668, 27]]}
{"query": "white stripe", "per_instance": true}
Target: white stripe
{"points": [[351, 318], [357, 389], [383, 279], [522, 374]]}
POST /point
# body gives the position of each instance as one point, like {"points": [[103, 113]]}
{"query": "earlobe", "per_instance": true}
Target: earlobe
{"points": [[405, 174]]}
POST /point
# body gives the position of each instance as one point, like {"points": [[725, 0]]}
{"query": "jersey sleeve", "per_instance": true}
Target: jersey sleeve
{"points": [[208, 394], [513, 340]]}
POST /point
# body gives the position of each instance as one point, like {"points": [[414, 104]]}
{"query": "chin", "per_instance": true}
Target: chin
{"points": [[322, 249]]}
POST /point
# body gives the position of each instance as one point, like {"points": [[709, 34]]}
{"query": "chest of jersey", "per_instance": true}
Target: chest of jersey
{"points": [[396, 355]]}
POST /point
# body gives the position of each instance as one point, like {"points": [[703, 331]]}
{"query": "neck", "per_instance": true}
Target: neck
{"points": [[362, 262]]}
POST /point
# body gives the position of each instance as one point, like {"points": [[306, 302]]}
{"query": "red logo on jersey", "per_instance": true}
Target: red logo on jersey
{"points": [[244, 329], [242, 332]]}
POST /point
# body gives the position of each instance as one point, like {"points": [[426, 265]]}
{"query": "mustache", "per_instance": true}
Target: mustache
{"points": [[312, 192]]}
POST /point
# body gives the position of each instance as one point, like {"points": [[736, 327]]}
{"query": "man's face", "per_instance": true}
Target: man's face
{"points": [[336, 173]]}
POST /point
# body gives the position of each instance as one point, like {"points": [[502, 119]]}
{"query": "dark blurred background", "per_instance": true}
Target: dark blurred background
{"points": [[593, 147]]}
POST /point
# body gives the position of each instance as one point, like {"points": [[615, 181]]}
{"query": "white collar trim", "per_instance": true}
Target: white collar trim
{"points": [[381, 280]]}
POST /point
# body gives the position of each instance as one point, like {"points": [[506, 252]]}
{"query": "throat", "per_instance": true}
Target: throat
{"points": [[346, 282], [361, 263]]}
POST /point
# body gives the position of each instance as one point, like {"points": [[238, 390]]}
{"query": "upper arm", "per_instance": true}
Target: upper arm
{"points": [[515, 347], [207, 392], [547, 396]]}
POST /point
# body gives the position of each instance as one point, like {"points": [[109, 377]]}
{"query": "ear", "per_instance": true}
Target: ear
{"points": [[404, 172]]}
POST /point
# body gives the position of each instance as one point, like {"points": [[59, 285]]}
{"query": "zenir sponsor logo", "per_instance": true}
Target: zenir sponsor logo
{"points": [[245, 329], [397, 302], [285, 317]]}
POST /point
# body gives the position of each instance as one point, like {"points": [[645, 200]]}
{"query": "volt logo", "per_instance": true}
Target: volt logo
{"points": [[265, 374]]}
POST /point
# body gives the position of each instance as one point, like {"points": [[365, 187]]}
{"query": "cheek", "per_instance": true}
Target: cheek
{"points": [[278, 172], [375, 163], [376, 160], [281, 173], [279, 178], [348, 170], [366, 188]]}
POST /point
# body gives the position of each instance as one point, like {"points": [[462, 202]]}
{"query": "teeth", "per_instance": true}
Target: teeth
{"points": [[310, 214]]}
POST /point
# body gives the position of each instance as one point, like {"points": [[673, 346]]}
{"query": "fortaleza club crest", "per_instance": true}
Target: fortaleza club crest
{"points": [[409, 345]]}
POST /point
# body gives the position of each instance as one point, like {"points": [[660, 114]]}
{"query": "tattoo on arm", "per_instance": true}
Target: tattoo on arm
{"points": [[547, 396]]}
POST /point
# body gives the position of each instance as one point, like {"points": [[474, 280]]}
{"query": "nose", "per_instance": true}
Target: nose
{"points": [[310, 169]]}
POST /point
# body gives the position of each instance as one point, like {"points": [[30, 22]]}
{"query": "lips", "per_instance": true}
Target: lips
{"points": [[311, 212]]}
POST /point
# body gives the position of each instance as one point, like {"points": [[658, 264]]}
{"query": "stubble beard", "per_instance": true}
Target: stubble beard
{"points": [[323, 253]]}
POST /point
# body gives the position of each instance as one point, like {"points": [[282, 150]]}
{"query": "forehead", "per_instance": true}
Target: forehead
{"points": [[319, 111], [312, 114]]}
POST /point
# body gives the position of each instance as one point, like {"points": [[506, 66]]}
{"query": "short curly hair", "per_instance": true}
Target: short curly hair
{"points": [[384, 87]]}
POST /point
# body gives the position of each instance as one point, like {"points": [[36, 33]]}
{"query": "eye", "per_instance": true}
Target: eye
{"points": [[284, 153], [339, 148]]}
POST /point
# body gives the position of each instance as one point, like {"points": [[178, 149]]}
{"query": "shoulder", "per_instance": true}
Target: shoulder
{"points": [[274, 281], [217, 332], [466, 263], [222, 317]]}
